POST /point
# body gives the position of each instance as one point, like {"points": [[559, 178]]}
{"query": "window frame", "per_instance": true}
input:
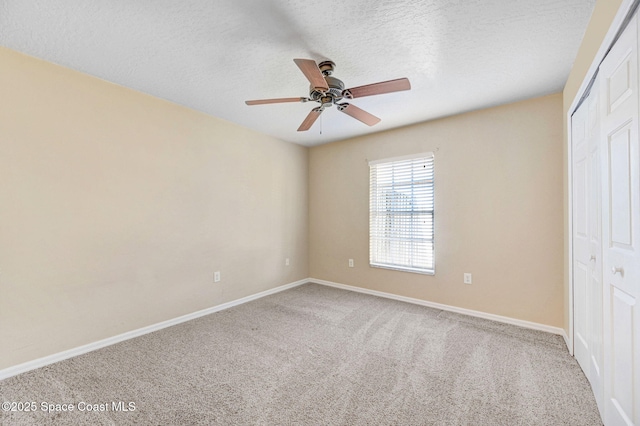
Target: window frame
{"points": [[428, 199]]}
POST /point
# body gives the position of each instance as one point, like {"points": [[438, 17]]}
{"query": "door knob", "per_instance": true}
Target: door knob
{"points": [[592, 258], [617, 269]]}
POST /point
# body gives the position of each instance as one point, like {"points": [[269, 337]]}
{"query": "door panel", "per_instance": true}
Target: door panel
{"points": [[581, 183], [622, 391], [620, 82], [620, 175], [581, 311]]}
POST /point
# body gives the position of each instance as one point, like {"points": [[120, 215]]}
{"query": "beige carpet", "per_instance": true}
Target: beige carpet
{"points": [[315, 355]]}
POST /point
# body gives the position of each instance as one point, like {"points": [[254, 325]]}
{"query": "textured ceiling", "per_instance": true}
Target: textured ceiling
{"points": [[212, 55]]}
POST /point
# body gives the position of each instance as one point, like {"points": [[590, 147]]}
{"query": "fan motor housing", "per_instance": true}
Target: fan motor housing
{"points": [[332, 95]]}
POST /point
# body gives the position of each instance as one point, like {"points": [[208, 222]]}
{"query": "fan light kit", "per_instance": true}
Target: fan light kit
{"points": [[327, 91]]}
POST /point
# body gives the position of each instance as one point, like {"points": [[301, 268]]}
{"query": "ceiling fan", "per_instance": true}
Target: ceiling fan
{"points": [[328, 91]]}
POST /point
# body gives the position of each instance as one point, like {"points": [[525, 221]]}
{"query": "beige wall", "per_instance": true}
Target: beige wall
{"points": [[117, 207], [603, 15], [498, 177]]}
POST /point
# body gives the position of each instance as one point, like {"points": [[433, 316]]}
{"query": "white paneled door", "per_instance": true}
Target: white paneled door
{"points": [[621, 229], [587, 246], [595, 319], [579, 126]]}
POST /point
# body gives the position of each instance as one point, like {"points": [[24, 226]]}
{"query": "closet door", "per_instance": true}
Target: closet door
{"points": [[621, 230], [594, 232], [580, 182], [587, 244]]}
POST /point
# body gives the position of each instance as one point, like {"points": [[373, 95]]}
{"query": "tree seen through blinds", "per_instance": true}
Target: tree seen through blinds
{"points": [[401, 214]]}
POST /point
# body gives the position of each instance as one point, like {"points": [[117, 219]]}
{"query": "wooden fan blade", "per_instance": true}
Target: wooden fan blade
{"points": [[274, 101], [377, 88], [310, 119], [359, 114], [310, 70]]}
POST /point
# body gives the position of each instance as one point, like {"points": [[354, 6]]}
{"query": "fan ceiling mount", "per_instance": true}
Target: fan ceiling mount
{"points": [[328, 91]]}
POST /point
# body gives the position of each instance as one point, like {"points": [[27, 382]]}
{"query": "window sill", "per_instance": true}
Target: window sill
{"points": [[402, 269]]}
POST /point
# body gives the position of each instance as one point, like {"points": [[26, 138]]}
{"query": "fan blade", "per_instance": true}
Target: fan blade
{"points": [[310, 70], [310, 119], [274, 101], [359, 114], [377, 88]]}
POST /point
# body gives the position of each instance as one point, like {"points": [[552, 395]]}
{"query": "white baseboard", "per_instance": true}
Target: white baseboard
{"points": [[498, 318], [41, 362], [567, 341]]}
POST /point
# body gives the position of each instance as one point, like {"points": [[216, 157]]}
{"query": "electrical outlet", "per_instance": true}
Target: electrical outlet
{"points": [[216, 276], [467, 278], [286, 262], [350, 263]]}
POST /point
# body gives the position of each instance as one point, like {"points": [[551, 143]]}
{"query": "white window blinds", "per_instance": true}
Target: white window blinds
{"points": [[401, 213]]}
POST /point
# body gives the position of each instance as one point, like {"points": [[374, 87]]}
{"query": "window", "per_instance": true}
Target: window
{"points": [[401, 213]]}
